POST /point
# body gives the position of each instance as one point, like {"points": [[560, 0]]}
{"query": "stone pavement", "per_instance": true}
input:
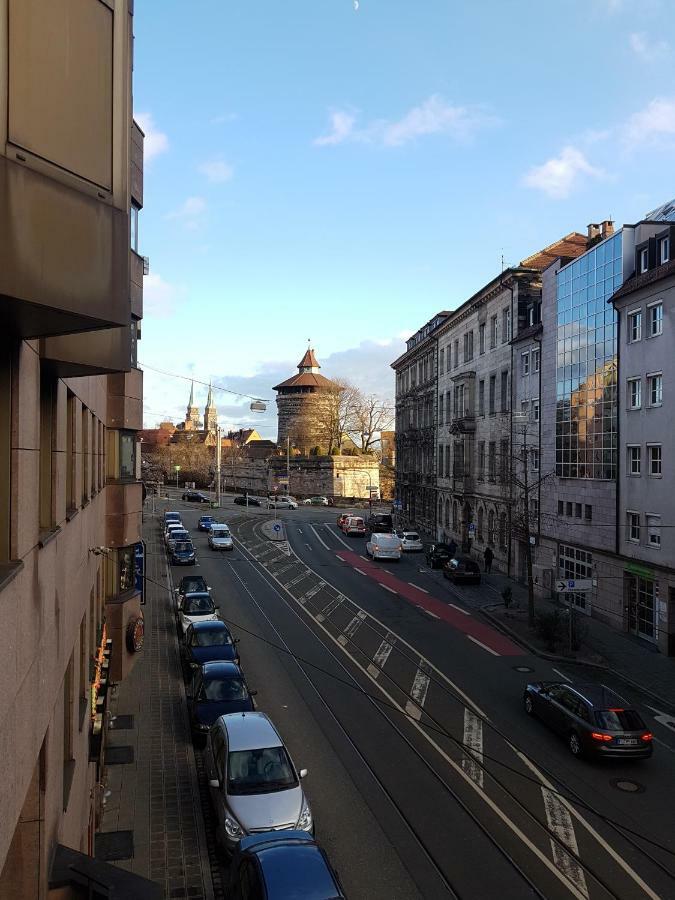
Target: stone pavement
{"points": [[157, 796]]}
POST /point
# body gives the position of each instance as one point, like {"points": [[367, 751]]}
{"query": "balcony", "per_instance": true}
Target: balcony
{"points": [[99, 352], [465, 424], [463, 483]]}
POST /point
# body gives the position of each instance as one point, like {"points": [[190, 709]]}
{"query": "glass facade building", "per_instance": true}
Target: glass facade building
{"points": [[586, 363]]}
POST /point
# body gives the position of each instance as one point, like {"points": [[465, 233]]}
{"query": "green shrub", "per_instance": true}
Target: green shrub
{"points": [[550, 628]]}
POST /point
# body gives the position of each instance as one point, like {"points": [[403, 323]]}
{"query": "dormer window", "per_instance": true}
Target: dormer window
{"points": [[643, 260], [664, 250]]}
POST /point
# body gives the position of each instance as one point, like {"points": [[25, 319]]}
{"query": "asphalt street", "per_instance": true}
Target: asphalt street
{"points": [[426, 776]]}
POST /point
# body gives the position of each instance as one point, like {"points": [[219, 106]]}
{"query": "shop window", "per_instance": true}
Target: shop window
{"points": [[47, 429], [121, 455], [126, 569]]}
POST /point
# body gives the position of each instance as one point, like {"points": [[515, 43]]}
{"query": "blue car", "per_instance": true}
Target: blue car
{"points": [[218, 688], [281, 866], [205, 523], [208, 642], [183, 554]]}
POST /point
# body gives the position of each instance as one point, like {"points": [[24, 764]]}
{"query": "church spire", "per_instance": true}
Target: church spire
{"points": [[192, 394], [209, 399], [210, 413]]}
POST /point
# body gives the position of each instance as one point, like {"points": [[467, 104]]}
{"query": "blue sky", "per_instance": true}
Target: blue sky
{"points": [[319, 171]]}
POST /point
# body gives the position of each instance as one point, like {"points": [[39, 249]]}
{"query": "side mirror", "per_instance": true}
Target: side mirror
{"points": [[253, 693], [236, 640], [216, 607], [194, 665], [303, 773], [214, 783]]}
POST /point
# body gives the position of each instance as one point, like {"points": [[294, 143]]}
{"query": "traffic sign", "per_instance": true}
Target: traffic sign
{"points": [[276, 527], [177, 468], [398, 504], [570, 585], [472, 528]]}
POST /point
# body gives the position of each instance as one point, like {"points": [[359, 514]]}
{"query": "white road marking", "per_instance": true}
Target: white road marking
{"points": [[473, 738], [484, 646], [391, 590], [464, 612], [560, 823], [424, 590], [341, 558], [314, 590], [298, 578], [364, 558], [562, 674], [299, 530], [418, 692], [351, 627], [662, 718], [332, 531], [360, 571], [319, 538], [328, 610], [428, 612], [381, 656], [308, 546]]}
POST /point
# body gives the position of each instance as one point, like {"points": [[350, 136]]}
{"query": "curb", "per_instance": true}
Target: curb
{"points": [[270, 534], [553, 657]]}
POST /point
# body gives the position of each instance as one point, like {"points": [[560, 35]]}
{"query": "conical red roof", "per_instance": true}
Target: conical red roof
{"points": [[309, 360]]}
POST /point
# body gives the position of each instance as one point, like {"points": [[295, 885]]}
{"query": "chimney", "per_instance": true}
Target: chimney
{"points": [[607, 227], [593, 231]]}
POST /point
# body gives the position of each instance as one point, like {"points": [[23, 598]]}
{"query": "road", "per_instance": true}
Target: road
{"points": [[426, 777]]}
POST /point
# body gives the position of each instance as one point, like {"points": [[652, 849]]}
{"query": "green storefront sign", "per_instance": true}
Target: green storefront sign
{"points": [[635, 569]]}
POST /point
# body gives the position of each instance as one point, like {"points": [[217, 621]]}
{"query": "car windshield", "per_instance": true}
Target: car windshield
{"points": [[259, 771], [191, 585], [183, 546], [179, 535], [619, 720], [220, 532], [224, 689], [411, 536], [195, 605], [212, 638]]}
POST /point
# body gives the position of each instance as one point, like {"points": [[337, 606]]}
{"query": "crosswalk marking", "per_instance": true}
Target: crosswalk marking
{"points": [[418, 692], [381, 655], [560, 823], [473, 738], [351, 628], [328, 610]]}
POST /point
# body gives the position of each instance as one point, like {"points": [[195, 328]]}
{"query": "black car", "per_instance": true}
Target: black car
{"points": [[208, 642], [592, 718], [438, 555], [280, 864], [380, 523], [183, 554], [252, 501], [195, 497], [462, 570], [218, 688]]}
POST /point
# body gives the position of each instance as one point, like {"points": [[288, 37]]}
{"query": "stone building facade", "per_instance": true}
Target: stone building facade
{"points": [[303, 402], [71, 395]]}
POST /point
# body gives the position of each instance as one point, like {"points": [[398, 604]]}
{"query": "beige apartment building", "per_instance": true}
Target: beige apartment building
{"points": [[71, 185]]}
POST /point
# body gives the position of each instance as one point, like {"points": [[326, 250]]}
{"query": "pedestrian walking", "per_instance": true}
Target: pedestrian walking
{"points": [[452, 548], [488, 556]]}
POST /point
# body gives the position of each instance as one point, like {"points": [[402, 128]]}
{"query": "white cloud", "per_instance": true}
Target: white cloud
{"points": [[559, 175], [159, 296], [656, 120], [222, 119], [189, 212], [342, 125], [646, 50], [216, 170], [156, 141], [433, 116]]}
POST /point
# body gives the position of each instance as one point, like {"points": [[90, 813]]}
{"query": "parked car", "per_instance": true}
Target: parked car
{"points": [[209, 641], [197, 607], [282, 864], [384, 546], [248, 501], [462, 570], [172, 517], [218, 688], [411, 542], [195, 497], [205, 523], [171, 527], [220, 538], [438, 555], [342, 518], [253, 782], [282, 503], [592, 718], [183, 554], [177, 534], [316, 501], [354, 525], [191, 584], [380, 522]]}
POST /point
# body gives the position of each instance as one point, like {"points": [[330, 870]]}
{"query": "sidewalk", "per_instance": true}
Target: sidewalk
{"points": [[154, 798]]}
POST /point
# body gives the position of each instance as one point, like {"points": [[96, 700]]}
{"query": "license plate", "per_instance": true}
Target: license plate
{"points": [[627, 742]]}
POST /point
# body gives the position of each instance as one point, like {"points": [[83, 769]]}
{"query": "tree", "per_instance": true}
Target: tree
{"points": [[370, 416], [195, 461], [340, 404]]}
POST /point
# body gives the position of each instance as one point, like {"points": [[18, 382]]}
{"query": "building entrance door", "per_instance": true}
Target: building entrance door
{"points": [[642, 598]]}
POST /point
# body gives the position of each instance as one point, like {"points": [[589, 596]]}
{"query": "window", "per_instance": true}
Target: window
{"points": [[68, 756], [122, 454], [577, 564], [492, 460], [525, 363], [653, 530], [654, 454], [126, 569], [634, 393], [561, 508], [505, 391], [577, 510], [494, 332], [504, 460], [588, 512], [493, 391], [655, 389], [535, 460], [664, 250], [448, 406], [7, 345], [525, 408], [447, 461], [86, 484], [481, 397], [441, 361], [468, 346], [634, 465], [633, 527], [440, 409], [506, 325], [568, 508], [536, 355], [491, 526], [47, 433], [634, 326], [134, 228], [534, 506], [455, 361], [481, 459], [655, 312], [643, 260], [481, 338], [481, 521], [535, 410]]}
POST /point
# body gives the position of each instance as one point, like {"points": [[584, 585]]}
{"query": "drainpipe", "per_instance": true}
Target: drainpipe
{"points": [[509, 551]]}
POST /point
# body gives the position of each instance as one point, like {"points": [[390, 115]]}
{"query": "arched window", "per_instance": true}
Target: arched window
{"points": [[455, 515], [440, 510], [447, 511], [502, 531], [481, 516], [491, 526]]}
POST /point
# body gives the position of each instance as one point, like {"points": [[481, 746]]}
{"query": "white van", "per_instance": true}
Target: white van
{"points": [[384, 546]]}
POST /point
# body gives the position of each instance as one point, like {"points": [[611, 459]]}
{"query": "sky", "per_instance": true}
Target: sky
{"points": [[340, 170]]}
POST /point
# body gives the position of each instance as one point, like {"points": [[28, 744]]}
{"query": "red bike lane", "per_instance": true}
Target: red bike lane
{"points": [[484, 635]]}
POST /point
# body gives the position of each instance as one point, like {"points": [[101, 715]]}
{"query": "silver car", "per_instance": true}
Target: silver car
{"points": [[220, 537], [253, 783]]}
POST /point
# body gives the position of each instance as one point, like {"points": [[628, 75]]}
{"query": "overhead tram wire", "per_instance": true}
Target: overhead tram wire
{"points": [[216, 387]]}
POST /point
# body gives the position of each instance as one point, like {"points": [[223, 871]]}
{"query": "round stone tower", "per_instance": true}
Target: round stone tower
{"points": [[302, 401]]}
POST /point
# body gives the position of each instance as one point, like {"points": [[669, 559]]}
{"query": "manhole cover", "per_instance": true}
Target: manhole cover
{"points": [[629, 787], [523, 669]]}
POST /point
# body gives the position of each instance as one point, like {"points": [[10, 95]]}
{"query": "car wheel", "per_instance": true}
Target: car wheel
{"points": [[528, 704], [574, 744]]}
